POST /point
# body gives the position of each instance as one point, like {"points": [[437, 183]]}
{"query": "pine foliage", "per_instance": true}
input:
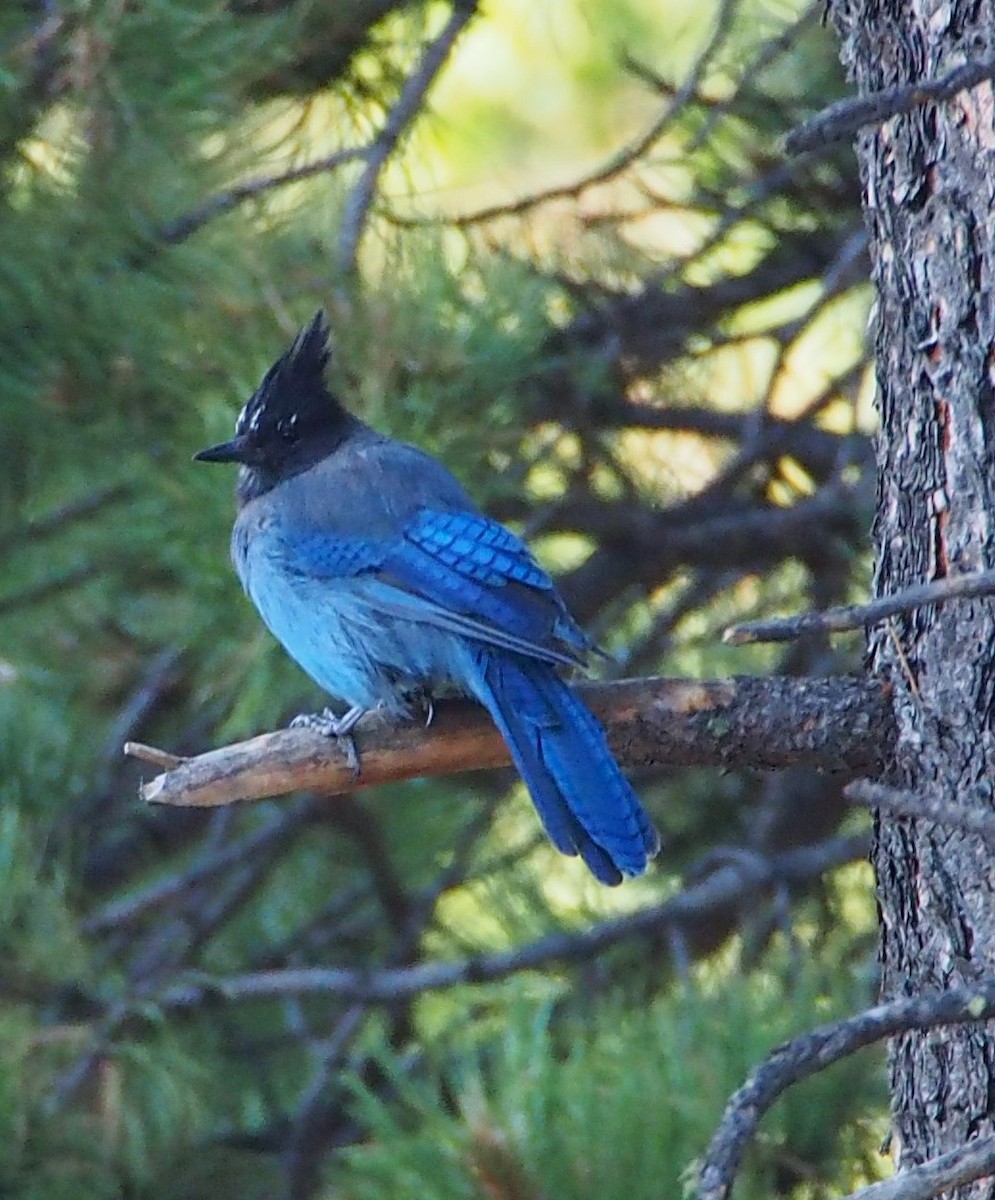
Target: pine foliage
{"points": [[590, 366]]}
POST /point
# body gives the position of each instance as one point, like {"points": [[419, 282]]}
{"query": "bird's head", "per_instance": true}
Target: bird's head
{"points": [[291, 420]]}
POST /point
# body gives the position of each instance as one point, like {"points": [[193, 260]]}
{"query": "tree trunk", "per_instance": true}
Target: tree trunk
{"points": [[929, 196]]}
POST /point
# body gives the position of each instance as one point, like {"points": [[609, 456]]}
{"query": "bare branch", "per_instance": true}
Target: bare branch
{"points": [[846, 117], [769, 53], [620, 161], [976, 1160], [408, 104], [813, 1052], [748, 875], [152, 754], [979, 821], [839, 723], [183, 227], [56, 586], [31, 532], [858, 616], [157, 897]]}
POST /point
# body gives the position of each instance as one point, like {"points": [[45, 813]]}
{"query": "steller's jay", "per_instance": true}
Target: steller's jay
{"points": [[370, 564]]}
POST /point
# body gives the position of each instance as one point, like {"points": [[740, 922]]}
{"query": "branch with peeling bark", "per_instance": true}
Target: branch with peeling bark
{"points": [[837, 723]]}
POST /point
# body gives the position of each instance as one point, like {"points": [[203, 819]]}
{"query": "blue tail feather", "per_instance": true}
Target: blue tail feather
{"points": [[583, 800]]}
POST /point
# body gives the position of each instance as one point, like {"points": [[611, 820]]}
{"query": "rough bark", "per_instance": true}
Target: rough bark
{"points": [[837, 724], [929, 192]]}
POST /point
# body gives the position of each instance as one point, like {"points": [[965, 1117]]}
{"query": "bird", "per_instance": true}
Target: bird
{"points": [[370, 564]]}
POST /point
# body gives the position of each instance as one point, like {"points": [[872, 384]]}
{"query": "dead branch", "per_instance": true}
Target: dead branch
{"points": [[953, 815], [733, 883], [837, 723], [846, 117], [216, 206], [813, 1052], [975, 1160], [399, 120], [859, 616]]}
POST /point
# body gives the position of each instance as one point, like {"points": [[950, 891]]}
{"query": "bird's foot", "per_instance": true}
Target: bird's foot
{"points": [[329, 725], [422, 698]]}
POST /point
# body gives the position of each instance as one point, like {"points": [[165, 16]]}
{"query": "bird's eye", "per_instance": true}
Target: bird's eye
{"points": [[287, 428]]}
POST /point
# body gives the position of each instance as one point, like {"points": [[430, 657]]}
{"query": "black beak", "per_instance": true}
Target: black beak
{"points": [[237, 450]]}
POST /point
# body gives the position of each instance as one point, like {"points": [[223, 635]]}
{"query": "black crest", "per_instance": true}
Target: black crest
{"points": [[293, 398], [291, 420]]}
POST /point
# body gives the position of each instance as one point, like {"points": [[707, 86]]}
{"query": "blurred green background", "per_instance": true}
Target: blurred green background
{"points": [[589, 280]]}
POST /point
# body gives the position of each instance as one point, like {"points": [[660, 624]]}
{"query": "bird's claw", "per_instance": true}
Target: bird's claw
{"points": [[331, 726], [422, 698]]}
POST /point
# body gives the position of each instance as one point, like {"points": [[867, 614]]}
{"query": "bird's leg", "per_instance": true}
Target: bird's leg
{"points": [[329, 725]]}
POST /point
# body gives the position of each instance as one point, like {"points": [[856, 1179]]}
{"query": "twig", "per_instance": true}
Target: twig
{"points": [[813, 1052], [305, 1141], [900, 803], [768, 54], [38, 43], [975, 1160], [156, 680], [198, 916], [308, 1140], [67, 514], [858, 616], [157, 897], [153, 755], [728, 886], [327, 927], [72, 578], [71, 1079], [357, 205], [903, 661], [838, 723], [183, 227], [619, 161], [170, 945], [764, 443], [846, 117]]}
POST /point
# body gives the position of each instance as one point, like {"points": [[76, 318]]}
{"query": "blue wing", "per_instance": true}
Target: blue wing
{"points": [[460, 589], [456, 571]]}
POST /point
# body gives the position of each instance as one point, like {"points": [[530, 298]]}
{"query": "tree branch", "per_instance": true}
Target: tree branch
{"points": [[848, 116], [622, 159], [406, 109], [748, 875], [838, 723], [813, 1052], [951, 814], [858, 616], [975, 1160], [31, 532], [181, 228]]}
